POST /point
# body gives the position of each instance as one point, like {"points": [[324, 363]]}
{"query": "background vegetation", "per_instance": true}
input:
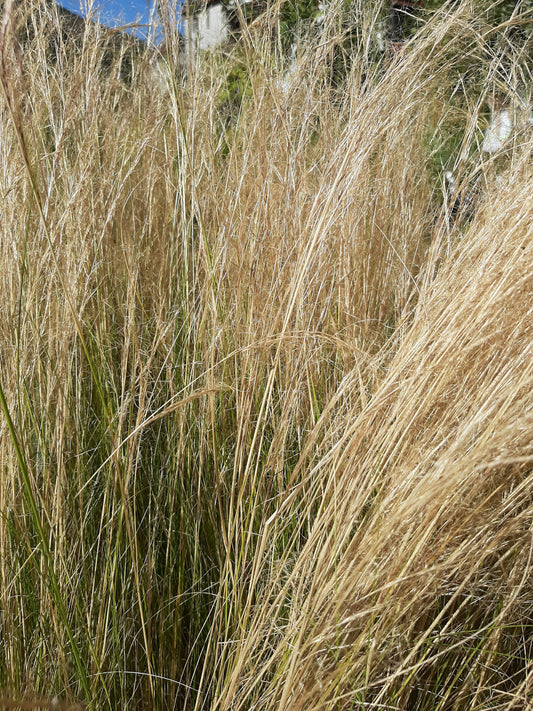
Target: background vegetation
{"points": [[266, 390]]}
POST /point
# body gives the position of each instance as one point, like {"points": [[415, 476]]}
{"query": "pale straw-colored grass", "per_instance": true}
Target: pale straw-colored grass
{"points": [[267, 412]]}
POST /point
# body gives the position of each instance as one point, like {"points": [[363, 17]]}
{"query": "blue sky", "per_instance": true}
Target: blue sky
{"points": [[117, 13]]}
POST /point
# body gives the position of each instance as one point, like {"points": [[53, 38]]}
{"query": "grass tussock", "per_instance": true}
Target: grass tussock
{"points": [[266, 432]]}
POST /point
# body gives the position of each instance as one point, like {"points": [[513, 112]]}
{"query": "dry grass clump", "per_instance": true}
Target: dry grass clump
{"points": [[420, 581], [266, 434]]}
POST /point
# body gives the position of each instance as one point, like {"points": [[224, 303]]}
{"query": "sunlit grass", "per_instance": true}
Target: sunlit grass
{"points": [[265, 434]]}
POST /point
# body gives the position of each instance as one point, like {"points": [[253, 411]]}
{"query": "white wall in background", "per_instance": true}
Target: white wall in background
{"points": [[516, 115], [207, 29]]}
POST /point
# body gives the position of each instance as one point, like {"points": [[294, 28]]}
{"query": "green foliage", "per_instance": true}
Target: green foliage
{"points": [[294, 13], [235, 89]]}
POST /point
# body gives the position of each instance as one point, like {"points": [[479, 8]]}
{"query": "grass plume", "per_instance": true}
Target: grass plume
{"points": [[266, 436]]}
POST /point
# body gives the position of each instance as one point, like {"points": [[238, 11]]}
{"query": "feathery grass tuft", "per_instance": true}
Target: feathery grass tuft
{"points": [[266, 398]]}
